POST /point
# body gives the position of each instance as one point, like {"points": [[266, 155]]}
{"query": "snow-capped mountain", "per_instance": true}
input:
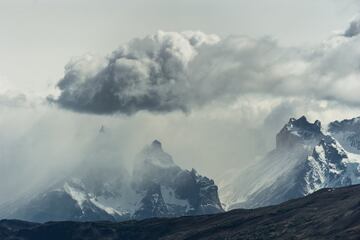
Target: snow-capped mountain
{"points": [[102, 189], [347, 132], [306, 159], [171, 191]]}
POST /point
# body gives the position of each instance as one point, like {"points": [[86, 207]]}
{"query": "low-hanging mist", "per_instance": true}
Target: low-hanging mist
{"points": [[215, 103], [51, 143]]}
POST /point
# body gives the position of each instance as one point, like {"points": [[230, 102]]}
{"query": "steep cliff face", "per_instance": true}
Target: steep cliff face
{"points": [[347, 132], [172, 191], [298, 132]]}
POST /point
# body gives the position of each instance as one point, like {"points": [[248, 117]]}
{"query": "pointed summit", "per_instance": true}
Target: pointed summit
{"points": [[347, 132], [298, 131], [102, 129], [171, 190], [304, 124], [348, 125], [156, 144], [154, 155]]}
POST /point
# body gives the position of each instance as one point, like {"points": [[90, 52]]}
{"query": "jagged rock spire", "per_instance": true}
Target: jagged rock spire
{"points": [[297, 131], [156, 144], [102, 129]]}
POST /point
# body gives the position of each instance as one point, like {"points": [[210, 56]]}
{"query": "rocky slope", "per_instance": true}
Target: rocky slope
{"points": [[306, 159], [101, 189], [347, 132], [327, 214], [171, 191]]}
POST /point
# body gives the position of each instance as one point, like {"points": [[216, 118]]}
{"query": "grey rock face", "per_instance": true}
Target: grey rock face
{"points": [[153, 204], [297, 131], [347, 132], [170, 190], [327, 167], [349, 125]]}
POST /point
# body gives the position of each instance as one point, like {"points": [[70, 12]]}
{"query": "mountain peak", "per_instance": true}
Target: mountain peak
{"points": [[345, 125], [301, 119], [154, 156], [347, 132], [304, 124], [102, 129], [298, 130], [156, 144], [157, 188]]}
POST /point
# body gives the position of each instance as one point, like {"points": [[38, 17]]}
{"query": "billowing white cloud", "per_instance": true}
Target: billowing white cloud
{"points": [[241, 65], [146, 74], [171, 71]]}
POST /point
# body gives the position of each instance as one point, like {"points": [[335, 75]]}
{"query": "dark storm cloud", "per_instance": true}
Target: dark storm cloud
{"points": [[179, 71], [147, 74]]}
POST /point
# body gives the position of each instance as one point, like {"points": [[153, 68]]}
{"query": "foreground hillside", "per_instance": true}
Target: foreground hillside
{"points": [[326, 214]]}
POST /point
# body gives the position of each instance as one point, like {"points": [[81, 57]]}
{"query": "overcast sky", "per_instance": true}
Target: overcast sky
{"points": [[215, 95], [38, 37]]}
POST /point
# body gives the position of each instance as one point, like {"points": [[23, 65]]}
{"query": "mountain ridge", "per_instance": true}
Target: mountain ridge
{"points": [[102, 190], [326, 214], [306, 158]]}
